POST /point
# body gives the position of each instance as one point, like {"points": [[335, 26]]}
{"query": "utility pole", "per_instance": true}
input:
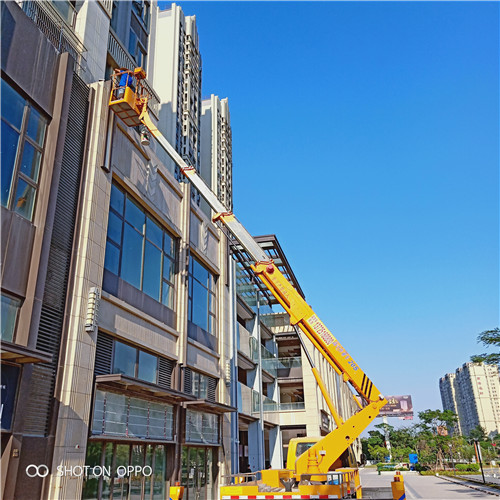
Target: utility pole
{"points": [[479, 458], [386, 434]]}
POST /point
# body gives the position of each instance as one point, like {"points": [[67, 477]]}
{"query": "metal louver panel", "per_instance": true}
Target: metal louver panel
{"points": [[165, 369], [212, 386], [40, 392], [54, 298], [103, 355], [188, 380]]}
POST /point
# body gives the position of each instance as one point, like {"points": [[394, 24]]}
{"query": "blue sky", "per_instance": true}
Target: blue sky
{"points": [[365, 136]]}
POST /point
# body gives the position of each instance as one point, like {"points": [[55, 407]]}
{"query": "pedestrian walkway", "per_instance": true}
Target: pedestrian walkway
{"points": [[428, 487], [473, 485]]}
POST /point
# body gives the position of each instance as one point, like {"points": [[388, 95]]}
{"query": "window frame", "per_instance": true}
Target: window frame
{"points": [[22, 140], [136, 362], [16, 321], [211, 291], [171, 255]]}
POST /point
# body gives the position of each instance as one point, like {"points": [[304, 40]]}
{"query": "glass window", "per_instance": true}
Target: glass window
{"points": [[131, 256], [154, 232], [136, 480], [10, 139], [152, 271], [91, 479], [200, 302], [148, 463], [12, 105], [139, 250], [36, 128], [125, 357], [10, 310], [115, 227], [23, 133], [108, 462], [147, 369], [132, 43], [138, 418], [110, 456], [98, 419], [202, 427], [200, 384], [201, 307], [122, 459], [134, 214], [24, 200], [117, 199], [112, 258], [159, 473], [30, 163], [115, 415], [121, 415]]}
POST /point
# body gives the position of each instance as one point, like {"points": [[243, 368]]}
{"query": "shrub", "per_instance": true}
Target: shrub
{"points": [[468, 467]]}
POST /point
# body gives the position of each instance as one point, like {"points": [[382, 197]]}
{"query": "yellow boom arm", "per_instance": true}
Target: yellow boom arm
{"points": [[131, 107]]}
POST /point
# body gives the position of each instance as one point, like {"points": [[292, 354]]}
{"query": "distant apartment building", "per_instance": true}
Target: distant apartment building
{"points": [[216, 141], [177, 79], [447, 386], [473, 393]]}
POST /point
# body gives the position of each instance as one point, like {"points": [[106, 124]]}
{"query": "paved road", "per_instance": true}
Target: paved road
{"points": [[425, 487]]}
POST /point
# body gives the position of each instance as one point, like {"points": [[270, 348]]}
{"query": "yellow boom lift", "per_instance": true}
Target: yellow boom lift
{"points": [[308, 475]]}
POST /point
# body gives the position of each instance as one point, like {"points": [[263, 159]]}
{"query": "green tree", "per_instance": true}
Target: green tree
{"points": [[489, 338], [436, 445], [478, 434], [378, 452]]}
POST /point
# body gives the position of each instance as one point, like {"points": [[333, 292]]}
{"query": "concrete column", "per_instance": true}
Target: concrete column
{"points": [[79, 355], [255, 449], [276, 448]]}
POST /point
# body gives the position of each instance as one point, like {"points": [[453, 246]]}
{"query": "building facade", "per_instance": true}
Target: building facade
{"points": [[131, 332], [44, 125], [473, 393]]}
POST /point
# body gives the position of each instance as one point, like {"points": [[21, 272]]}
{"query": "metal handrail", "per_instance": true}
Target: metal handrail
{"points": [[123, 60], [52, 25]]}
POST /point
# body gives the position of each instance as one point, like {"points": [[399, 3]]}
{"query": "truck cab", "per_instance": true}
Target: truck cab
{"points": [[298, 446]]}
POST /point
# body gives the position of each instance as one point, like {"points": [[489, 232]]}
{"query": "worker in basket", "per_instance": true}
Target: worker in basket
{"points": [[126, 80]]}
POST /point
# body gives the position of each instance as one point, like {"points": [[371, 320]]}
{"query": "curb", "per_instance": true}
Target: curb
{"points": [[469, 485]]}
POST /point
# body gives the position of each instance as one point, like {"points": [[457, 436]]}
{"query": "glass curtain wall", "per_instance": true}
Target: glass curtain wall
{"points": [[139, 249], [104, 480], [198, 473]]}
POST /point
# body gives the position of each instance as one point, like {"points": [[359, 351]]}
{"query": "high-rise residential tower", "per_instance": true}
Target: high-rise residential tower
{"points": [[177, 79], [216, 148], [473, 393]]}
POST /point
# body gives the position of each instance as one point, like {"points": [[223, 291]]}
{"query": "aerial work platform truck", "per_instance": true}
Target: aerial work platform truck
{"points": [[316, 467]]}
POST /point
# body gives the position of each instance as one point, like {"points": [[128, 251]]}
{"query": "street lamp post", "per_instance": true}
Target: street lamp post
{"points": [[478, 454], [451, 455]]}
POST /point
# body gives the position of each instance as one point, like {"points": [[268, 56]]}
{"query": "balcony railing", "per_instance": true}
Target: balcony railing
{"points": [[269, 405], [56, 24], [277, 322], [289, 367], [249, 346], [107, 5], [66, 11], [123, 60], [249, 402]]}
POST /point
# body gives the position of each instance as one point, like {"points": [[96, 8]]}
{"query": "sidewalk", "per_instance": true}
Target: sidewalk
{"points": [[473, 485]]}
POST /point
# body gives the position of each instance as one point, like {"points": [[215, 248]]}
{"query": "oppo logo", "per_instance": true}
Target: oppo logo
{"points": [[37, 470]]}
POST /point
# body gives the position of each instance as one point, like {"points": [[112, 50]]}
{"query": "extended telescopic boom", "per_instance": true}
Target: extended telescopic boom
{"points": [[131, 106]]}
